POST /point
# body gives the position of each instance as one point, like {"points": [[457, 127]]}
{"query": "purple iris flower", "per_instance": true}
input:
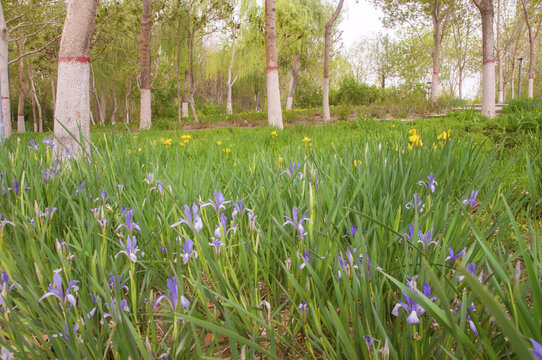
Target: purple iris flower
{"points": [[33, 145], [306, 258], [217, 244], [163, 249], [536, 350], [115, 281], [218, 202], [351, 263], [472, 200], [294, 168], [471, 267], [102, 222], [304, 309], [49, 142], [55, 289], [426, 239], [159, 186], [188, 251], [103, 195], [239, 209], [173, 297], [67, 332], [15, 187], [193, 220], [468, 318], [410, 232], [114, 310], [129, 249], [129, 223], [412, 307], [223, 227], [430, 184], [252, 222], [454, 256], [3, 223], [297, 223], [149, 179], [350, 233], [416, 204], [5, 287]]}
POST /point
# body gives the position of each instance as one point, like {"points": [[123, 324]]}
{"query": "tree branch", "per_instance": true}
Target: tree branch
{"points": [[22, 14], [34, 51]]}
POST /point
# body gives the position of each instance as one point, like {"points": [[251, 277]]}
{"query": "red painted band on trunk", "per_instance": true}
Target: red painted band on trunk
{"points": [[20, 115], [531, 77], [489, 61], [271, 68], [74, 59], [435, 72], [5, 98]]}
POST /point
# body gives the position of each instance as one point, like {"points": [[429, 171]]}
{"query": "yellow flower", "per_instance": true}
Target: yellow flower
{"points": [[154, 142], [412, 131], [274, 133], [166, 141], [333, 144], [139, 149], [219, 143], [444, 135], [280, 159], [393, 126], [396, 147], [357, 163], [135, 137], [306, 139], [181, 143], [227, 150], [142, 166], [415, 140], [186, 137]]}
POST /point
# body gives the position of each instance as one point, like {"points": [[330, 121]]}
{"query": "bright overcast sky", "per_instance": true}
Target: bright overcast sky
{"points": [[361, 19]]}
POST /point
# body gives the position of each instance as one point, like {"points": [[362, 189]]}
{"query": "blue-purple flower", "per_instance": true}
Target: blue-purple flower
{"points": [[129, 248], [56, 290], [413, 309], [472, 200], [193, 220], [453, 257], [468, 318], [291, 172], [416, 203], [114, 309], [5, 287], [471, 268], [426, 239], [173, 297], [149, 178], [306, 258], [4, 222], [218, 202], [410, 232], [188, 251], [239, 209], [217, 244], [536, 350], [304, 309], [33, 145], [297, 223], [222, 228], [49, 142], [129, 223], [431, 184], [115, 281], [350, 233]]}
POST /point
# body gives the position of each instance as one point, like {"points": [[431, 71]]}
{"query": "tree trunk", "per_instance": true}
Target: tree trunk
{"points": [[460, 85], [327, 45], [34, 117], [533, 34], [178, 73], [53, 92], [4, 74], [293, 80], [103, 112], [146, 24], [192, 79], [95, 92], [274, 110], [436, 53], [115, 108], [229, 107], [22, 88], [35, 103], [488, 71], [500, 61], [71, 126]]}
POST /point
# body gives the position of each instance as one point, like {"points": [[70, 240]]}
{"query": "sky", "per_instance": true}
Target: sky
{"points": [[360, 19]]}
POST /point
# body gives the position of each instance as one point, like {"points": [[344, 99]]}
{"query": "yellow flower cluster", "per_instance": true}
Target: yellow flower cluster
{"points": [[185, 139], [444, 135], [227, 150], [357, 163], [306, 139], [414, 139], [219, 143], [166, 141], [274, 133]]}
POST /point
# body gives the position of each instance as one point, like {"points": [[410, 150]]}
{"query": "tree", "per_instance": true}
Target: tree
{"points": [[293, 79], [419, 12], [71, 123], [4, 73], [383, 58], [327, 45], [274, 111], [146, 25], [532, 10], [488, 70]]}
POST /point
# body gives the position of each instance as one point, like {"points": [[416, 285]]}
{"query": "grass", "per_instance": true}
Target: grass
{"points": [[249, 299]]}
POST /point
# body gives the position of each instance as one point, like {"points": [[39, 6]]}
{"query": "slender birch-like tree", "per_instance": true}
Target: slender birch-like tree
{"points": [[72, 111], [274, 110], [533, 19], [327, 45]]}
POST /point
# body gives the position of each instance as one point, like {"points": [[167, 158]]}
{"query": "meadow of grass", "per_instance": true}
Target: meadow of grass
{"points": [[350, 241]]}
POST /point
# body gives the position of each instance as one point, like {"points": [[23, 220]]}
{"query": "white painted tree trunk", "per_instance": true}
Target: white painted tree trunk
{"points": [[185, 109], [231, 81], [325, 93], [274, 109], [146, 25], [530, 89], [4, 74], [20, 105], [71, 125], [327, 45], [488, 70], [436, 59]]}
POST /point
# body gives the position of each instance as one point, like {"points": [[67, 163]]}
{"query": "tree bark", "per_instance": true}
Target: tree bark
{"points": [[488, 71], [500, 61], [186, 89], [4, 74], [229, 107], [178, 73], [192, 78], [293, 79], [274, 110], [115, 108], [146, 24], [103, 110], [22, 89], [94, 91], [38, 125], [53, 92], [327, 45], [71, 125], [533, 35], [437, 23]]}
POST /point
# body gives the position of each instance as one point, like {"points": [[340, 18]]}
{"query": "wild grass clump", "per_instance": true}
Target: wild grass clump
{"points": [[355, 240]]}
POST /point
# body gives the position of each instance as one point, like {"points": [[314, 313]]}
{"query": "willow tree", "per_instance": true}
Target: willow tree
{"points": [[327, 45], [72, 110], [488, 58], [146, 25], [274, 110]]}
